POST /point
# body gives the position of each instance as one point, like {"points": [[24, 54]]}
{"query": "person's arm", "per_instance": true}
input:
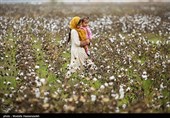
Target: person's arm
{"points": [[84, 43], [89, 32], [74, 35]]}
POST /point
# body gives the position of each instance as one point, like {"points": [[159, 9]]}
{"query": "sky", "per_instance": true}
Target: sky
{"points": [[42, 1]]}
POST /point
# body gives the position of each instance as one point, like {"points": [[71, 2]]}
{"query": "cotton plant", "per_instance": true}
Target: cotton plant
{"points": [[93, 98], [121, 91], [144, 75], [122, 50]]}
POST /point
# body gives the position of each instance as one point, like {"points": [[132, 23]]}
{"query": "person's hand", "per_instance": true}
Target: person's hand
{"points": [[84, 43], [88, 41]]}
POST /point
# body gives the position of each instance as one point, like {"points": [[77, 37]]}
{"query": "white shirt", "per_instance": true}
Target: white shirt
{"points": [[78, 54]]}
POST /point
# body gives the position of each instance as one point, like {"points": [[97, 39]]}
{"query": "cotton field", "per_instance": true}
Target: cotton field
{"points": [[130, 49]]}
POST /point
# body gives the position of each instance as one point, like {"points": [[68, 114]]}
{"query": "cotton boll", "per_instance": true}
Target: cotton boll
{"points": [[68, 108], [36, 78], [46, 93], [112, 78], [25, 77], [37, 92], [106, 84], [2, 100], [168, 104], [116, 96], [38, 83], [128, 89], [21, 74], [93, 98], [6, 95], [92, 88], [121, 92], [4, 82], [131, 81], [58, 81], [102, 87], [110, 83], [94, 79], [124, 106], [42, 81], [37, 67], [119, 76], [8, 83], [117, 110], [144, 75], [10, 95], [108, 71], [46, 99]]}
